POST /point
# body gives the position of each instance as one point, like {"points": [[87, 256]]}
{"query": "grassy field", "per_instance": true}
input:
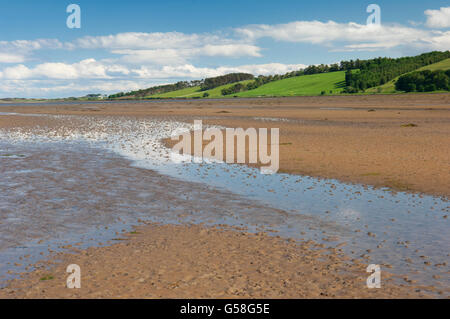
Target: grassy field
{"points": [[188, 92], [296, 86], [443, 65], [314, 84], [389, 87], [194, 92], [330, 83]]}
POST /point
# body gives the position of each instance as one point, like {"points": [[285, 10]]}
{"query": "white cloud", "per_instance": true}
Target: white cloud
{"points": [[264, 69], [440, 41], [438, 18], [30, 45], [142, 40], [59, 79], [18, 51], [137, 47], [181, 56], [155, 40], [58, 88], [178, 71], [345, 36], [229, 50], [92, 69], [157, 56], [178, 49], [16, 72], [191, 71], [85, 69], [166, 48], [6, 57]]}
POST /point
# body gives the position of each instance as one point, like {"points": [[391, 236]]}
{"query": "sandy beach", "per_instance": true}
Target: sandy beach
{"points": [[225, 159], [156, 261], [361, 139], [400, 142]]}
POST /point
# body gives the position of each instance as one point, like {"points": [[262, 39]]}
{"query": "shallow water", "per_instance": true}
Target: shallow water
{"points": [[45, 194], [54, 194]]}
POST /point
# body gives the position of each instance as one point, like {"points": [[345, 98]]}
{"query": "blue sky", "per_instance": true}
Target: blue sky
{"points": [[125, 45]]}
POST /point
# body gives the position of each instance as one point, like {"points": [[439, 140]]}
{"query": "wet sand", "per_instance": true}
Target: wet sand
{"points": [[358, 139], [175, 261], [352, 139]]}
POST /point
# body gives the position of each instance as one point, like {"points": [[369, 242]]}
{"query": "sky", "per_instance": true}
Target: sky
{"points": [[135, 44]]}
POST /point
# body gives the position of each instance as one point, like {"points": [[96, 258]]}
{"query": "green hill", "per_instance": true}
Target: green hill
{"points": [[315, 84], [195, 92], [188, 92], [389, 87], [443, 65], [350, 77], [295, 86]]}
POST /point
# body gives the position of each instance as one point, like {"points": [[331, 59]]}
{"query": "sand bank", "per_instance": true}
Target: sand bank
{"points": [[198, 262], [361, 139]]}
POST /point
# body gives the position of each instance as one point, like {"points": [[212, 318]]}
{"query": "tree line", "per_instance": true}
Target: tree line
{"points": [[262, 79], [360, 75], [160, 89], [211, 83], [375, 72], [424, 81], [206, 84], [258, 81]]}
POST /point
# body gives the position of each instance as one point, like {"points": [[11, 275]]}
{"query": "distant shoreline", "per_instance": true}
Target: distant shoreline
{"points": [[16, 102]]}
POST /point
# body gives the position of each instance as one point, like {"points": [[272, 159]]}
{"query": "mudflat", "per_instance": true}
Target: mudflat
{"points": [[194, 261], [396, 141]]}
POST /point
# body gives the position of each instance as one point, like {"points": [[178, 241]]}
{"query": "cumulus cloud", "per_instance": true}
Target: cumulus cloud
{"points": [[177, 71], [18, 51], [264, 69], [155, 40], [440, 41], [138, 47], [229, 50], [180, 56], [30, 45], [438, 18], [92, 69], [347, 36], [176, 48], [57, 79], [142, 40], [59, 88], [85, 69], [166, 48], [6, 57], [191, 71]]}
